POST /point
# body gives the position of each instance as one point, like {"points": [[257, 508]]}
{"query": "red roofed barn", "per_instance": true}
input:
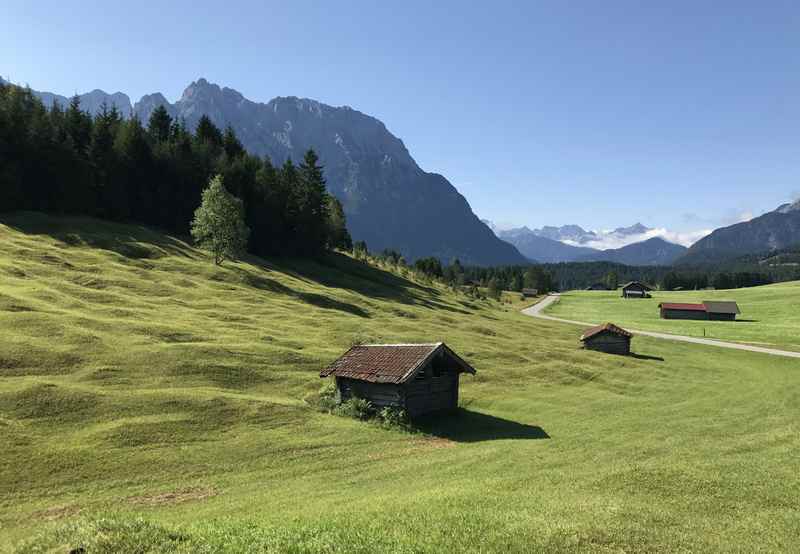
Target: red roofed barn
{"points": [[417, 378], [718, 310]]}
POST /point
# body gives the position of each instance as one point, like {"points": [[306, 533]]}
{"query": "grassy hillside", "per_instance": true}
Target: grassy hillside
{"points": [[150, 400], [770, 314]]}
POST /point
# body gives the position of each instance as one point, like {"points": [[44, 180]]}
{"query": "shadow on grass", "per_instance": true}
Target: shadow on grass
{"points": [[132, 241], [467, 426], [330, 269], [646, 357], [747, 320]]}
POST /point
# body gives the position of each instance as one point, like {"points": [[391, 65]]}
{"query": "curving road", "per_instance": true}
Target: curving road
{"points": [[537, 309]]}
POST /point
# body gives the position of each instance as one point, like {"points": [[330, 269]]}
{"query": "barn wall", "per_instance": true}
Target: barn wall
{"points": [[683, 314], [429, 393], [381, 395], [609, 342], [722, 317]]}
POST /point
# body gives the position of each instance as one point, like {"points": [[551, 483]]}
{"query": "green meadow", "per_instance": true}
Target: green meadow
{"points": [[153, 402], [770, 314]]}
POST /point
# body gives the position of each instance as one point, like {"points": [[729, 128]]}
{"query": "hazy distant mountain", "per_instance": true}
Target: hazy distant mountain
{"points": [[654, 251], [772, 231], [389, 200], [577, 235], [542, 249]]}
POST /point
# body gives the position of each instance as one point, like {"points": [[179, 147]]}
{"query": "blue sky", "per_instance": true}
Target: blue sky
{"points": [[684, 115]]}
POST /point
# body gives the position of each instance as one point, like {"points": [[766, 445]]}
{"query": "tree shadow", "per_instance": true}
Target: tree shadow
{"points": [[137, 242], [747, 320], [463, 425], [646, 357]]}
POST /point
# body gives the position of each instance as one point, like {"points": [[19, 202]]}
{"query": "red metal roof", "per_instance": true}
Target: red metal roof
{"points": [[388, 363], [605, 328], [682, 306]]}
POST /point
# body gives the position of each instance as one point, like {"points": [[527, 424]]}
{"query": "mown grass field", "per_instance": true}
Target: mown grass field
{"points": [[770, 314], [150, 401]]}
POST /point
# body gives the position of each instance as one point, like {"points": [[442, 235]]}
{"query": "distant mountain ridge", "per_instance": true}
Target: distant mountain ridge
{"points": [[390, 202], [543, 249], [654, 251], [771, 231]]}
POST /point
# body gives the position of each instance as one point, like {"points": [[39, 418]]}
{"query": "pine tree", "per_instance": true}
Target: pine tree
{"points": [[208, 133], [338, 235], [219, 223], [313, 202], [231, 144], [159, 125]]}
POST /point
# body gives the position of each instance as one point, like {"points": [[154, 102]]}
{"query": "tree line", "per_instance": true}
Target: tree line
{"points": [[64, 160]]}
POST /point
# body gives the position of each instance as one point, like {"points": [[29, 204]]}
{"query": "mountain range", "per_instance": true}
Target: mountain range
{"points": [[561, 244], [390, 202], [774, 230]]}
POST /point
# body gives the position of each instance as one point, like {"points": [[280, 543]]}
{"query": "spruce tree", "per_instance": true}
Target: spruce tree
{"points": [[219, 223], [159, 124]]}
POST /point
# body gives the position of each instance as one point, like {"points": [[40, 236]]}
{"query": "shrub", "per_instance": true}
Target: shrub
{"points": [[326, 399], [394, 418], [357, 408]]}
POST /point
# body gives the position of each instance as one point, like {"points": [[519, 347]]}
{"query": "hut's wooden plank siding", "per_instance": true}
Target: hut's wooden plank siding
{"points": [[609, 342], [415, 378], [667, 313]]}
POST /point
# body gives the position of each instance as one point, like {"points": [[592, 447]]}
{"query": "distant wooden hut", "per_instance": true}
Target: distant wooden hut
{"points": [[715, 310], [607, 338], [636, 289], [418, 378], [598, 286], [529, 293]]}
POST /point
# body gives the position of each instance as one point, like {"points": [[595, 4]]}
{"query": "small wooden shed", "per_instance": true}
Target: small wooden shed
{"points": [[417, 378], [529, 293], [597, 286], [636, 289], [607, 338]]}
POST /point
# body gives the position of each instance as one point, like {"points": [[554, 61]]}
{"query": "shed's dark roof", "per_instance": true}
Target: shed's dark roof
{"points": [[388, 363], [683, 306], [721, 306], [605, 328], [643, 285]]}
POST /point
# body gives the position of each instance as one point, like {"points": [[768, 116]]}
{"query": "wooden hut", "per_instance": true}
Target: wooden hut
{"points": [[529, 293], [607, 338], [598, 286], [715, 310], [636, 289], [417, 378]]}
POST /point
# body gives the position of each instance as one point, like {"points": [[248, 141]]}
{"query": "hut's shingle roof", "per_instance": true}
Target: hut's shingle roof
{"points": [[721, 306], [388, 363], [605, 327], [683, 306]]}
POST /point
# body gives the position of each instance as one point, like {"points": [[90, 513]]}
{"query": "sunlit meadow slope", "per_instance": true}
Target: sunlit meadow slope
{"points": [[150, 400]]}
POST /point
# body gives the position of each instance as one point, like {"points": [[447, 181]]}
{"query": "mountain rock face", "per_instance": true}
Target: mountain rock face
{"points": [[543, 249], [91, 102], [390, 202], [772, 231], [654, 251]]}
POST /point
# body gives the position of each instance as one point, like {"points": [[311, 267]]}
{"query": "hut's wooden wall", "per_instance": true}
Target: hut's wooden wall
{"points": [[381, 395], [721, 317], [667, 313], [429, 391], [609, 342]]}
